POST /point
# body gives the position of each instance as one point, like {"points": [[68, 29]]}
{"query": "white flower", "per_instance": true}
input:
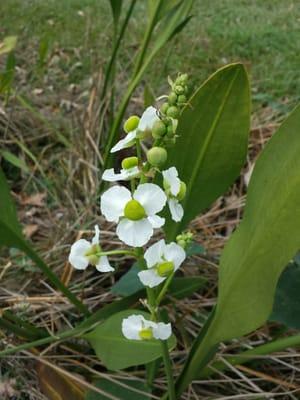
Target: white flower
{"points": [[162, 260], [135, 214], [173, 187], [136, 327], [146, 123], [84, 253], [124, 175]]}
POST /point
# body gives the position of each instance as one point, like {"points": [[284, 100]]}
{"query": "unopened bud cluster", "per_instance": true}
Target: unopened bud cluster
{"points": [[164, 129]]}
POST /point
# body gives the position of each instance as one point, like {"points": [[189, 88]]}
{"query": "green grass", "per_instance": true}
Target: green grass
{"points": [[264, 34]]}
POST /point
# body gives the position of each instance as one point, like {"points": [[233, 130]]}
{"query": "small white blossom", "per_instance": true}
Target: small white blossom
{"points": [[173, 184], [124, 175], [84, 253], [162, 260], [135, 214], [146, 122], [136, 327]]}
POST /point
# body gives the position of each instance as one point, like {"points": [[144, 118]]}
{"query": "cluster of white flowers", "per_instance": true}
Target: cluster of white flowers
{"points": [[136, 211]]}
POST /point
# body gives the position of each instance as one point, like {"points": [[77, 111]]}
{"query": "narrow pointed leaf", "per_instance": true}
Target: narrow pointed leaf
{"points": [[212, 145], [258, 251]]}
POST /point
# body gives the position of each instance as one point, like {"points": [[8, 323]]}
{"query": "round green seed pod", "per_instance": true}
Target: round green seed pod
{"points": [[129, 162], [173, 112], [164, 108], [157, 156], [172, 98], [179, 89], [182, 99], [170, 131], [159, 129], [131, 123]]}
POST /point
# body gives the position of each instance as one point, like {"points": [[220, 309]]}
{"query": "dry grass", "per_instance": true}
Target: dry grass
{"points": [[57, 217]]}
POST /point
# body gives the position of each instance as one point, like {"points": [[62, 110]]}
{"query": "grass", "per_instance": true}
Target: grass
{"points": [[263, 34], [62, 49]]}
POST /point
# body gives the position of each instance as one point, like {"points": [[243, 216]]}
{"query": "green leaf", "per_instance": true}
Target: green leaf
{"points": [[14, 160], [212, 145], [179, 287], [8, 44], [186, 286], [194, 249], [117, 352], [116, 7], [125, 389], [11, 235], [287, 298], [129, 283], [258, 251]]}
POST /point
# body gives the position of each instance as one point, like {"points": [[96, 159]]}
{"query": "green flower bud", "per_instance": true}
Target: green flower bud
{"points": [[164, 108], [157, 156], [182, 99], [173, 112], [159, 129], [130, 162], [179, 89], [165, 269], [146, 334], [182, 191], [134, 211], [170, 131], [131, 124], [172, 98], [184, 239], [182, 79]]}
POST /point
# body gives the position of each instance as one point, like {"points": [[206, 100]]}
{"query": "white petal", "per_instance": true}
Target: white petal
{"points": [[156, 221], [148, 119], [151, 197], [103, 265], [77, 256], [109, 175], [113, 202], [154, 254], [124, 143], [134, 233], [175, 253], [162, 331], [176, 210], [132, 326], [96, 237], [150, 278], [171, 176]]}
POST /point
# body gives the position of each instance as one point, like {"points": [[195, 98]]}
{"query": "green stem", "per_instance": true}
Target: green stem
{"points": [[168, 370], [115, 50], [164, 290], [117, 252], [147, 38], [17, 330]]}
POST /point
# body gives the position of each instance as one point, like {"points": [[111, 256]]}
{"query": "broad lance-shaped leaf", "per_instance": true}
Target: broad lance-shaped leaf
{"points": [[212, 145], [117, 352], [258, 251], [11, 235]]}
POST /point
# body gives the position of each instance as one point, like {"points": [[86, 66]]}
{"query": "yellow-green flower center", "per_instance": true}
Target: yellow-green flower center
{"points": [[182, 191], [134, 211], [146, 334], [93, 254], [165, 269]]}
